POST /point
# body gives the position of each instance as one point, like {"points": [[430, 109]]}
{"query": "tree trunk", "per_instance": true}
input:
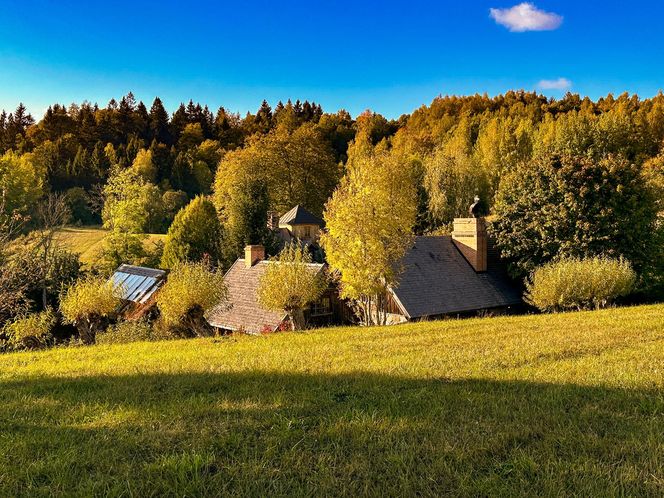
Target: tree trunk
{"points": [[86, 331], [297, 320]]}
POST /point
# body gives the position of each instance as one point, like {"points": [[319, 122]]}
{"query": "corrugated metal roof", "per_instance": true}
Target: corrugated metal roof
{"points": [[138, 283]]}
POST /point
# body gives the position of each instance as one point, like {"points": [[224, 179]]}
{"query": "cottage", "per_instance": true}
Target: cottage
{"points": [[451, 275], [138, 286], [242, 312], [299, 224]]}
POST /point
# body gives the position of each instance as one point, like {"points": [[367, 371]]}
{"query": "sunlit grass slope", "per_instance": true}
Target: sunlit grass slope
{"points": [[569, 404], [88, 241]]}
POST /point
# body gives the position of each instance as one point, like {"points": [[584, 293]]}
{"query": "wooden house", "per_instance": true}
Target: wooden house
{"points": [[243, 312]]}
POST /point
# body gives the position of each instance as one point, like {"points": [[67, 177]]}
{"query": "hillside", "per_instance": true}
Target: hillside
{"points": [[88, 241], [550, 405]]}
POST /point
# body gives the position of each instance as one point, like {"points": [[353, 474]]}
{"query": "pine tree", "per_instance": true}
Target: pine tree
{"points": [[194, 234], [246, 217], [178, 122], [158, 122], [263, 119]]}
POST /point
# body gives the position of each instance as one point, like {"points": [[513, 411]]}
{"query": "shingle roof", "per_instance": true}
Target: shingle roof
{"points": [[300, 216], [242, 310], [138, 283], [437, 280]]}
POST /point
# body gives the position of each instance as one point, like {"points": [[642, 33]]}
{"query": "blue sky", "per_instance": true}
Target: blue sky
{"points": [[389, 56]]}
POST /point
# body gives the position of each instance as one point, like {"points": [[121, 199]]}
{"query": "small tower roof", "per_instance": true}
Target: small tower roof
{"points": [[300, 216]]}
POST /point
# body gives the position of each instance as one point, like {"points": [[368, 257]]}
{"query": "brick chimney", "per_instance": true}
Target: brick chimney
{"points": [[253, 254], [470, 237]]}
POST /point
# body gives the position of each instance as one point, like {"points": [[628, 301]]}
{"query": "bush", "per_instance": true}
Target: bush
{"points": [[31, 331], [574, 207], [130, 331], [579, 283], [290, 284], [190, 291], [87, 304]]}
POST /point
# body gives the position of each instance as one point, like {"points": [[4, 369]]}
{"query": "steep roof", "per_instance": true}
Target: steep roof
{"points": [[300, 216], [138, 283], [242, 310], [437, 280]]}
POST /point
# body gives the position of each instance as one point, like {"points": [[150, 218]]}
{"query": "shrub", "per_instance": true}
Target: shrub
{"points": [[31, 331], [87, 303], [290, 284], [575, 207], [130, 331], [190, 291], [579, 283]]}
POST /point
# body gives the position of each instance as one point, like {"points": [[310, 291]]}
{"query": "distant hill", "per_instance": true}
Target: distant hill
{"points": [[566, 404], [88, 241]]}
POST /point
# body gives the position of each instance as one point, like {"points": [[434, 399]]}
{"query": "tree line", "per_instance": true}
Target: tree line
{"points": [[568, 177]]}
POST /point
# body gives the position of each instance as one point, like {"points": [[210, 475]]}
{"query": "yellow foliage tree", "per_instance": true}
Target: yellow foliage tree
{"points": [[369, 222], [291, 284], [87, 303], [192, 289]]}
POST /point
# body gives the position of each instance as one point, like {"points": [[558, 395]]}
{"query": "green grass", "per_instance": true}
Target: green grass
{"points": [[554, 405], [88, 241]]}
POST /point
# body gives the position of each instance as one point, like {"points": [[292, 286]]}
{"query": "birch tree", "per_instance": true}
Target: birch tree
{"points": [[369, 222]]}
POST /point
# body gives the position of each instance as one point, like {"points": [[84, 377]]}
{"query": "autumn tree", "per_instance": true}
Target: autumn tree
{"points": [[369, 222], [144, 166], [21, 183], [88, 303], [298, 167], [192, 289], [132, 208], [291, 283], [194, 234]]}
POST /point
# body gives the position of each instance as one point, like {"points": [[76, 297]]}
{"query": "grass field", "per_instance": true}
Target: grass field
{"points": [[87, 241], [554, 405]]}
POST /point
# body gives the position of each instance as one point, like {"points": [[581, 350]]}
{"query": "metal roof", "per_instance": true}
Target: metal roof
{"points": [[138, 283]]}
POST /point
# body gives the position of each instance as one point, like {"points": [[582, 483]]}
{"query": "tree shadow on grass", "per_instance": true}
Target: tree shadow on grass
{"points": [[265, 433]]}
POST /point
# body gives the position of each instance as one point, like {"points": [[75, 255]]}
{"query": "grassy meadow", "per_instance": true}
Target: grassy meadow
{"points": [[553, 405], [88, 241]]}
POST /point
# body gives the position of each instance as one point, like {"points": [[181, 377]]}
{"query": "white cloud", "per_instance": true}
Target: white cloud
{"points": [[557, 84], [526, 17]]}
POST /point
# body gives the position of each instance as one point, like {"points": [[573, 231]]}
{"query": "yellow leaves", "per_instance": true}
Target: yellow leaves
{"points": [[91, 296], [290, 282], [369, 220], [189, 286]]}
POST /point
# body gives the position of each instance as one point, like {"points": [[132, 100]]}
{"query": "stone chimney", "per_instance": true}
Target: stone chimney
{"points": [[470, 237], [253, 254]]}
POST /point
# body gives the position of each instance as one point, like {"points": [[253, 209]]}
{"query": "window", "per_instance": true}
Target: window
{"points": [[321, 307], [307, 232]]}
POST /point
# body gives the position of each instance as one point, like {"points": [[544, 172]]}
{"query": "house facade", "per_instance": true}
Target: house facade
{"points": [[299, 224]]}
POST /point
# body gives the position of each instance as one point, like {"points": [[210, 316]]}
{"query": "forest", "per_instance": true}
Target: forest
{"points": [[556, 177]]}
